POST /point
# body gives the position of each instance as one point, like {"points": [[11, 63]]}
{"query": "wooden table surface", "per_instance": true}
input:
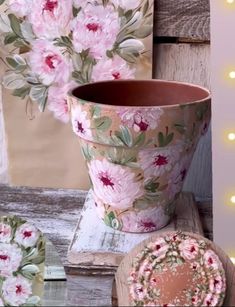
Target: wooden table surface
{"points": [[55, 213]]}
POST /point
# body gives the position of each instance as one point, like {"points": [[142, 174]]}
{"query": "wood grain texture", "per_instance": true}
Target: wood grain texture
{"points": [[55, 286], [126, 265], [54, 212], [182, 18], [103, 246], [190, 63]]}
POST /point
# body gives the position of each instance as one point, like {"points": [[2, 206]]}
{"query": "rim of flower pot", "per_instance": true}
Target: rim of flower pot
{"points": [[186, 85]]}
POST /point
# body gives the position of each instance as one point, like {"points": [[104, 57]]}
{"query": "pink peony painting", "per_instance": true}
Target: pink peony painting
{"points": [[22, 257], [55, 45]]}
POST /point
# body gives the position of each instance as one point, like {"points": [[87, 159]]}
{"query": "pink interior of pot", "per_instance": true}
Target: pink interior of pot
{"points": [[141, 93]]}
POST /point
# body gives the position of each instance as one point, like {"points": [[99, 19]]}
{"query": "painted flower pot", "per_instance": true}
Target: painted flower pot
{"points": [[138, 138]]}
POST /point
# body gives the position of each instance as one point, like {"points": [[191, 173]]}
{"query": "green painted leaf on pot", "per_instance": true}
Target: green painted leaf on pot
{"points": [[17, 62], [152, 186], [13, 81], [139, 140], [38, 94], [161, 139], [21, 92], [164, 140], [20, 43], [87, 152], [169, 138], [30, 268], [124, 136], [95, 111], [27, 275], [10, 38], [15, 24], [102, 123], [38, 259], [108, 218]]}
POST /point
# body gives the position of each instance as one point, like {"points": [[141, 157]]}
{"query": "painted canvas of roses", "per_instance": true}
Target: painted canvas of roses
{"points": [[55, 45]]}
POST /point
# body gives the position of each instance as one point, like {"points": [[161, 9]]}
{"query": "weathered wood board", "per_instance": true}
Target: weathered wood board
{"points": [[55, 285], [183, 18], [190, 63], [125, 267], [100, 245]]}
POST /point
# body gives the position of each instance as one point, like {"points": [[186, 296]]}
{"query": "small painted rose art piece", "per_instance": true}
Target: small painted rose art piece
{"points": [[54, 45], [22, 254], [173, 270]]}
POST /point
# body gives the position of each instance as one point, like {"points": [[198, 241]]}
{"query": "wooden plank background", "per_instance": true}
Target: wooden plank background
{"points": [[181, 52]]}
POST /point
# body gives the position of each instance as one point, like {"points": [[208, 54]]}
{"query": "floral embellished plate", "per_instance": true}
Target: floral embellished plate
{"points": [[22, 257], [176, 269]]}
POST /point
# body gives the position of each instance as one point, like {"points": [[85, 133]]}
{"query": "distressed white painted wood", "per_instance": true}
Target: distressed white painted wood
{"points": [[94, 243], [3, 151]]}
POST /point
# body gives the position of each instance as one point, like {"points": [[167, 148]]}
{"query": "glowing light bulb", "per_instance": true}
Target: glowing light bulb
{"points": [[232, 74], [231, 136], [232, 199], [230, 1]]}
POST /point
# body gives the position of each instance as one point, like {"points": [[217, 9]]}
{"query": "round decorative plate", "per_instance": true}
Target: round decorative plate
{"points": [[174, 269]]}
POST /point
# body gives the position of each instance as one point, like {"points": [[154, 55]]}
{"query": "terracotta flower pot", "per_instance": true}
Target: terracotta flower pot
{"points": [[138, 138]]}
